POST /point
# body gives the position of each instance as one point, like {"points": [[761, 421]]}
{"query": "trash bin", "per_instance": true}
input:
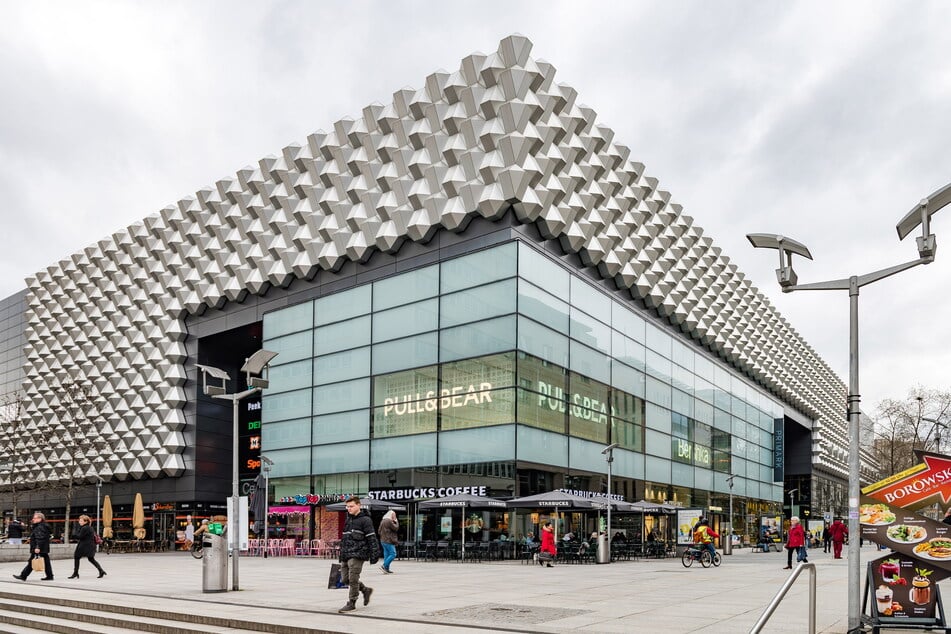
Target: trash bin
{"points": [[214, 563], [728, 543], [604, 550]]}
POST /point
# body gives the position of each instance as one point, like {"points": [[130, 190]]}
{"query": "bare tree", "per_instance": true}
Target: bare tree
{"points": [[913, 423], [75, 441], [11, 427]]}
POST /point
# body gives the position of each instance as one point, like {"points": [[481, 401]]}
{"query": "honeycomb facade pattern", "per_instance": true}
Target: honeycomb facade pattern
{"points": [[496, 135]]}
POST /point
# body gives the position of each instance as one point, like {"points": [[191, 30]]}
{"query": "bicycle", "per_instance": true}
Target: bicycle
{"points": [[701, 554], [197, 550]]}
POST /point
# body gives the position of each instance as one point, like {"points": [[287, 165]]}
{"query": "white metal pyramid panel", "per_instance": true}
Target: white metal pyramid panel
{"points": [[496, 134]]}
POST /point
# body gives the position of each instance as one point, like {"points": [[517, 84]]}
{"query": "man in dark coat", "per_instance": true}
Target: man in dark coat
{"points": [[15, 532], [40, 545], [359, 545]]}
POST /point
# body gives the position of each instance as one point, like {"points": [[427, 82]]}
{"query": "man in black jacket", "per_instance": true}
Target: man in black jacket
{"points": [[15, 532], [39, 545], [359, 545]]}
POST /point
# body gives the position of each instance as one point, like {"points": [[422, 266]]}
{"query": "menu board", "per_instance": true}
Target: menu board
{"points": [[904, 586]]}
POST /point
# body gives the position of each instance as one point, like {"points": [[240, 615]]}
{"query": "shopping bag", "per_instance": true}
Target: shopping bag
{"points": [[38, 564], [334, 581]]}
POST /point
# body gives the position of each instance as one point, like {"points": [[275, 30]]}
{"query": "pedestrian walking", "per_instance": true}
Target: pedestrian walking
{"points": [[15, 532], [389, 528], [838, 532], [359, 545], [796, 541], [86, 547], [547, 552], [826, 538], [40, 547]]}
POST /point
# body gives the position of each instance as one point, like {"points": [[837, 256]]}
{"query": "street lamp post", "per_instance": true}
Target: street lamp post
{"points": [[609, 457], [266, 464], [728, 546], [920, 214], [792, 506], [255, 364], [99, 482]]}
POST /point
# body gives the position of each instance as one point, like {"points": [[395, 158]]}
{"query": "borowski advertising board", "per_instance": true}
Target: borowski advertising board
{"points": [[901, 585]]}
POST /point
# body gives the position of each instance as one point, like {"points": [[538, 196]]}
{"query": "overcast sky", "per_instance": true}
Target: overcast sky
{"points": [[824, 121]]}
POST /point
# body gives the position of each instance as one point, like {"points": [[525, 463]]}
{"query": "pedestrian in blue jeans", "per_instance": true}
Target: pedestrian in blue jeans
{"points": [[389, 526]]}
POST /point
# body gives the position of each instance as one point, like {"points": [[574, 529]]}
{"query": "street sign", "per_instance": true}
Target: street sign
{"points": [[917, 487]]}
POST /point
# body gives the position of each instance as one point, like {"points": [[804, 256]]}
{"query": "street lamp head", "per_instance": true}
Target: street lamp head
{"points": [[256, 364], [787, 247], [921, 214], [214, 373], [610, 448], [267, 460]]}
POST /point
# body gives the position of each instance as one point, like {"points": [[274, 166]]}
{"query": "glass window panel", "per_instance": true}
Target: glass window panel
{"points": [[401, 419], [703, 411], [681, 378], [657, 470], [627, 322], [721, 420], [293, 347], [342, 457], [627, 435], [473, 340], [485, 444], [290, 462], [658, 392], [290, 376], [406, 288], [681, 354], [722, 378], [590, 424], [629, 351], [681, 402], [721, 461], [703, 367], [479, 268], [721, 398], [590, 331], [541, 410], [658, 366], [404, 452], [464, 410], [720, 440], [290, 433], [409, 385], [535, 303], [541, 271], [541, 376], [656, 443], [494, 371], [703, 434], [405, 353], [543, 447], [590, 362], [628, 379], [656, 417], [341, 366], [285, 406], [478, 303], [679, 426], [343, 305], [339, 397], [627, 407], [411, 319], [542, 342], [703, 389], [738, 407], [288, 320], [659, 341], [589, 299], [341, 427], [343, 335], [682, 474]]}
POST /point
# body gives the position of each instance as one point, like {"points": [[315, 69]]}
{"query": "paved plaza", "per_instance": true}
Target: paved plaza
{"points": [[645, 595]]}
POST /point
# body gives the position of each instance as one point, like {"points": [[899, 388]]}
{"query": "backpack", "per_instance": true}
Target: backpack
{"points": [[700, 535]]}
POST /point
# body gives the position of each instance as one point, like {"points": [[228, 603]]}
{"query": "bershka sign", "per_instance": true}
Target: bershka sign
{"points": [[424, 493], [457, 396], [919, 486]]}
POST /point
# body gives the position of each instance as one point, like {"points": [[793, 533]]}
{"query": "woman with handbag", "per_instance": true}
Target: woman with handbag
{"points": [[86, 547], [548, 551]]}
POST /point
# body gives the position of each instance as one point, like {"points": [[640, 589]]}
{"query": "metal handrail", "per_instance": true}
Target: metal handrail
{"points": [[782, 595]]}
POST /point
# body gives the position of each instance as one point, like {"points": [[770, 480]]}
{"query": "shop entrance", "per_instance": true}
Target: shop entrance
{"points": [[163, 530]]}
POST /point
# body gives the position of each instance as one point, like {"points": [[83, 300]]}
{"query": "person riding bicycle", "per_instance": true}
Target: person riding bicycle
{"points": [[703, 536]]}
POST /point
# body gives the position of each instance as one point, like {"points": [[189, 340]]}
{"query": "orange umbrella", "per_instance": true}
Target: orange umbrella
{"points": [[107, 518], [138, 517]]}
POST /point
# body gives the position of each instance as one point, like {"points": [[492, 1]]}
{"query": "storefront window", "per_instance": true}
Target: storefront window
{"points": [[589, 410]]}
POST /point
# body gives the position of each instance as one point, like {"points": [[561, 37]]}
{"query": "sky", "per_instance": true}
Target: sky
{"points": [[822, 121]]}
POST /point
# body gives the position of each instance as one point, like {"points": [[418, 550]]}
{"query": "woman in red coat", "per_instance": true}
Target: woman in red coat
{"points": [[548, 543], [797, 539]]}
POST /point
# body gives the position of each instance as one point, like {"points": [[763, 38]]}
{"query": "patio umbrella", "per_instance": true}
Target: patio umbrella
{"points": [[464, 500], [259, 503], [554, 499], [138, 517], [106, 518], [369, 504]]}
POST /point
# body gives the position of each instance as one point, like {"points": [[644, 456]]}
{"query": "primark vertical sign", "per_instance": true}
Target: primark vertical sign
{"points": [[779, 449]]}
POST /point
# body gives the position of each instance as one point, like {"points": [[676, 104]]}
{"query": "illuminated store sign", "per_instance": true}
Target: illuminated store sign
{"points": [[583, 407], [425, 493], [686, 451], [458, 396]]}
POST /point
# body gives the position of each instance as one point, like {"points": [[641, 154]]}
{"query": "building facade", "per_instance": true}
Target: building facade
{"points": [[472, 286]]}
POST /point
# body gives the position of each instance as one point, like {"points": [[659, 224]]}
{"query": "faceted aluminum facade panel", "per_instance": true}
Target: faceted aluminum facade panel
{"points": [[497, 134]]}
